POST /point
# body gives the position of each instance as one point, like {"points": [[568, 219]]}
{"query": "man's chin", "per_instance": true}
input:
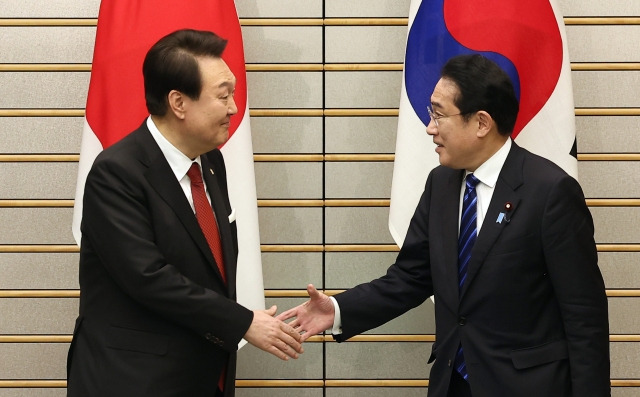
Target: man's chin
{"points": [[444, 160], [223, 137]]}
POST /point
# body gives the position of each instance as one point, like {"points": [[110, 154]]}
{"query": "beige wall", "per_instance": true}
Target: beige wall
{"points": [[322, 207]]}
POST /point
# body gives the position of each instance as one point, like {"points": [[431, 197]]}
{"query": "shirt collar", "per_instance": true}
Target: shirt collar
{"points": [[489, 171], [177, 160]]}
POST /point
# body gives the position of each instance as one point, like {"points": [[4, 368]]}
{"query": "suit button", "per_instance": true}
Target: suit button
{"points": [[213, 339], [462, 321]]}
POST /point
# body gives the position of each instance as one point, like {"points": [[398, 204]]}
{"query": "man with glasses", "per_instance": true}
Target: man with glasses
{"points": [[504, 241]]}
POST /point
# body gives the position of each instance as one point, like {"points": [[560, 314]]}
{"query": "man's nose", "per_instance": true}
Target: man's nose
{"points": [[431, 127], [232, 108]]}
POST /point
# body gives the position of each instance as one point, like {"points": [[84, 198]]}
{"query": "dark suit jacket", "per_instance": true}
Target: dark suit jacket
{"points": [[532, 316], [155, 319]]}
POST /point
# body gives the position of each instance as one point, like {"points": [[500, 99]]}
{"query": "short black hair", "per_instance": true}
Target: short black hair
{"points": [[171, 64], [484, 86]]}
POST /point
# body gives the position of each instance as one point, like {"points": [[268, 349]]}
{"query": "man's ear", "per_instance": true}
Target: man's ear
{"points": [[176, 102], [485, 123]]}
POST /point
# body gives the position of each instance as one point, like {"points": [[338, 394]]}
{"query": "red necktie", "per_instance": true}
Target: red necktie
{"points": [[205, 217], [207, 221]]}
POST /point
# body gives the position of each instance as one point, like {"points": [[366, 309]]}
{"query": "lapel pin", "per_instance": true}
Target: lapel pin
{"points": [[211, 170], [507, 207], [505, 215]]}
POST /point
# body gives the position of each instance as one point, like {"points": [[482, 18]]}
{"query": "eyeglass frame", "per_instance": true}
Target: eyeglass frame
{"points": [[433, 116]]}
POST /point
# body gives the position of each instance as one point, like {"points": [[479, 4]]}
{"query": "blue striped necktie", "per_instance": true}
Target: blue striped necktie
{"points": [[466, 239]]}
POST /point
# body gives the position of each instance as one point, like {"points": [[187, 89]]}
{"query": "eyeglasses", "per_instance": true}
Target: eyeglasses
{"points": [[435, 117]]}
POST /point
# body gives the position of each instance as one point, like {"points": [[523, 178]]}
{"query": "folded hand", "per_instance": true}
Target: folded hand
{"points": [[273, 335]]}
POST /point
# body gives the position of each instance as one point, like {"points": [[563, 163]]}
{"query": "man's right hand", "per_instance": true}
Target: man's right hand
{"points": [[273, 336], [312, 317]]}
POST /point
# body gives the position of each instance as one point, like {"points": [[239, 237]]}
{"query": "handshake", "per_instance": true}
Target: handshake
{"points": [[284, 340]]}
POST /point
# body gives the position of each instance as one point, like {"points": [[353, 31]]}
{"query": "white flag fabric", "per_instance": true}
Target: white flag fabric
{"points": [[126, 30], [527, 39]]}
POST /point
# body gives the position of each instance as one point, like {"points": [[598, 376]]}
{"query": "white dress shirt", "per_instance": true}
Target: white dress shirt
{"points": [[178, 162], [488, 174]]}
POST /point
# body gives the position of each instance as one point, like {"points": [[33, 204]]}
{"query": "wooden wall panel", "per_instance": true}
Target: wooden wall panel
{"points": [[324, 82]]}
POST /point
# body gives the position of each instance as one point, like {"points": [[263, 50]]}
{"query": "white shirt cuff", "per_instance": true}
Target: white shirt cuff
{"points": [[337, 319]]}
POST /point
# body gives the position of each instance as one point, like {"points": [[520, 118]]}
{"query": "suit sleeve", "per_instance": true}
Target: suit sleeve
{"points": [[572, 262], [406, 284], [117, 228]]}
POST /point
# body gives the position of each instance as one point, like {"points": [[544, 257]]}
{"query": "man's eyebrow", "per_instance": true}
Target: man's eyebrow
{"points": [[227, 83]]}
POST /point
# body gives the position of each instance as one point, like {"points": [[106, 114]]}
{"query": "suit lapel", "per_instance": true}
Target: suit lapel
{"points": [[504, 204], [449, 210], [160, 177], [222, 217]]}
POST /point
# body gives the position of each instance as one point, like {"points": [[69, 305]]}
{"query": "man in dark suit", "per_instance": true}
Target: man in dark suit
{"points": [[158, 312], [524, 311]]}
